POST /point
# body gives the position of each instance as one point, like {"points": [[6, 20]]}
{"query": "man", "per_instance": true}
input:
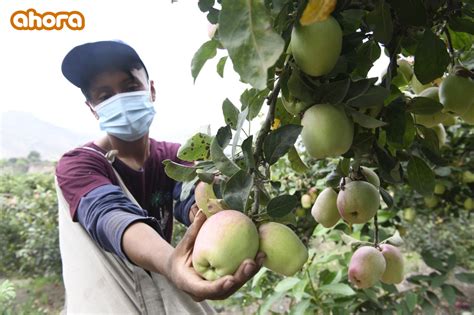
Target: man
{"points": [[116, 202]]}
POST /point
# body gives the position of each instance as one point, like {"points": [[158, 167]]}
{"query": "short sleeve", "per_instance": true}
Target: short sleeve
{"points": [[78, 172]]}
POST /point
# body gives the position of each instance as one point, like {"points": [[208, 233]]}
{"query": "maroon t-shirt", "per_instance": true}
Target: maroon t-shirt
{"points": [[80, 171]]}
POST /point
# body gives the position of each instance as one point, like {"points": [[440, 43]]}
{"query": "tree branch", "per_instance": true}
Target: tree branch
{"points": [[376, 232]]}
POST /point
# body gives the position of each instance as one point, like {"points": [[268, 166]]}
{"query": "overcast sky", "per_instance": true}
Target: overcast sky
{"points": [[165, 35]]}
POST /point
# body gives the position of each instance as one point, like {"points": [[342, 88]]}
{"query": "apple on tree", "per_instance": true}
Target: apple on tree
{"points": [[284, 251], [366, 267], [358, 201], [325, 210]]}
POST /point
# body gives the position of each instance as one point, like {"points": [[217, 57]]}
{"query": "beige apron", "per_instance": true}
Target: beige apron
{"points": [[99, 282]]}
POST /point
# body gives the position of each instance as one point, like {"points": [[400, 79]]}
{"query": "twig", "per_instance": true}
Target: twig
{"points": [[376, 232]]}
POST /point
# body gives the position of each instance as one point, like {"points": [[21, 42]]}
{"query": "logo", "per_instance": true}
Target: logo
{"points": [[30, 20]]}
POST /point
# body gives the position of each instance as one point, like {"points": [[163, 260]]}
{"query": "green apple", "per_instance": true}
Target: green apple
{"points": [[316, 47], [313, 192], [327, 131], [394, 264], [371, 176], [324, 210], [366, 267], [431, 120], [439, 189], [457, 94], [224, 241], [431, 201], [409, 214], [300, 212], [358, 202], [293, 106], [469, 204], [284, 251], [306, 201], [467, 177]]}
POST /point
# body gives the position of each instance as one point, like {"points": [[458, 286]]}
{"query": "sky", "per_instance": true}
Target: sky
{"points": [[166, 35]]}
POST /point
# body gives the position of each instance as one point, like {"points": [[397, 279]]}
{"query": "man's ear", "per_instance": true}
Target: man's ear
{"points": [[90, 108], [152, 90]]}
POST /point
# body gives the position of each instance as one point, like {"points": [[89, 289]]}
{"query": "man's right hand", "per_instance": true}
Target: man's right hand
{"points": [[181, 272]]}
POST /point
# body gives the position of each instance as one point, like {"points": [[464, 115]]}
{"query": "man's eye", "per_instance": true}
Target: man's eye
{"points": [[133, 88], [103, 97]]}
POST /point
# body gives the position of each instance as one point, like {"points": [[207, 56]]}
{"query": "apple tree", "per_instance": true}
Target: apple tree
{"points": [[307, 67]]}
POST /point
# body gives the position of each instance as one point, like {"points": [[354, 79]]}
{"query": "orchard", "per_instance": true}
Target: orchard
{"points": [[349, 143]]}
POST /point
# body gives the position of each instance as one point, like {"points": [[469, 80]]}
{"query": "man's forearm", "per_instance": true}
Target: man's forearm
{"points": [[146, 248]]}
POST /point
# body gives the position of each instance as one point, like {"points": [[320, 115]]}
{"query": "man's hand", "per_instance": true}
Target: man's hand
{"points": [[181, 272]]}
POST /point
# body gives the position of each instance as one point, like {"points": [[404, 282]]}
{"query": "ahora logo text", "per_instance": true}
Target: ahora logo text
{"points": [[30, 20]]}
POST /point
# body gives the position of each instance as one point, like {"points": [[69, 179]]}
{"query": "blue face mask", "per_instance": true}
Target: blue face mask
{"points": [[127, 116]]}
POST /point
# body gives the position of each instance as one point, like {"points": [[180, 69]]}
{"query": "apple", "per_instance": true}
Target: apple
{"points": [[409, 214], [306, 201], [371, 176], [457, 94], [469, 204], [324, 210], [293, 106], [431, 120], [431, 201], [206, 199], [327, 131], [366, 267], [313, 192], [300, 212], [358, 202], [439, 189], [394, 264], [467, 177], [224, 241], [284, 251], [316, 47]]}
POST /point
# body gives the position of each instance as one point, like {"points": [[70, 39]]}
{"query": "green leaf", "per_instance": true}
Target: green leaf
{"points": [[462, 25], [359, 87], [337, 288], [207, 51], [449, 294], [221, 65], [231, 113], [245, 30], [367, 54], [335, 92], [430, 140], [213, 16], [296, 163], [410, 12], [366, 121], [205, 5], [301, 307], [410, 299], [298, 88], [196, 148], [253, 100], [207, 177], [380, 21], [222, 162], [269, 302], [386, 197], [240, 122], [431, 58], [237, 190], [420, 176], [247, 151], [465, 277], [351, 20], [374, 97], [279, 141], [259, 276], [424, 106], [281, 205], [432, 261], [179, 172], [286, 284]]}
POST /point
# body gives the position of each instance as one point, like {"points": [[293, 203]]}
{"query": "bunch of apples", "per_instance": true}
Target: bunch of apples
{"points": [[228, 237], [357, 202]]}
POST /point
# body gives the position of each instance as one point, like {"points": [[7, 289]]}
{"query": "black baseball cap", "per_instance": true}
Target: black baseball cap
{"points": [[85, 61]]}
